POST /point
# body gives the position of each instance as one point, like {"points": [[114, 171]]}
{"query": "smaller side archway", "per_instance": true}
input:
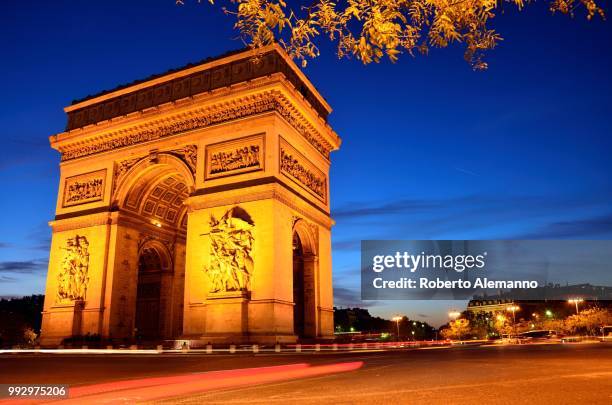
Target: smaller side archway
{"points": [[152, 311], [305, 275]]}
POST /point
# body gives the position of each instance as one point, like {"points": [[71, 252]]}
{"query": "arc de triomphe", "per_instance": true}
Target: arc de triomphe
{"points": [[195, 205]]}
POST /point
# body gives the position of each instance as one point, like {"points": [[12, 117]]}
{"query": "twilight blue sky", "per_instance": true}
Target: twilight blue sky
{"points": [[431, 149]]}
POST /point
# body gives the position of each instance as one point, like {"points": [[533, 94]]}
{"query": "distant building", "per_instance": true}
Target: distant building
{"points": [[480, 306], [553, 292]]}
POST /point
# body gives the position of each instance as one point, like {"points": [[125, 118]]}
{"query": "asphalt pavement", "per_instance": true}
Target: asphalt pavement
{"points": [[534, 374]]}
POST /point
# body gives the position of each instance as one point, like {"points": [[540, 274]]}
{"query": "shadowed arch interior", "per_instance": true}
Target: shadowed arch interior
{"points": [[155, 189], [151, 202], [148, 293], [304, 274], [298, 286]]}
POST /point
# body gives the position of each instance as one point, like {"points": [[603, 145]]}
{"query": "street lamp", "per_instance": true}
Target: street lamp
{"points": [[513, 309], [397, 320], [575, 301]]}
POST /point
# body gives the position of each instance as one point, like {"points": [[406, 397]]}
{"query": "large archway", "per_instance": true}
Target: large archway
{"points": [[150, 198]]}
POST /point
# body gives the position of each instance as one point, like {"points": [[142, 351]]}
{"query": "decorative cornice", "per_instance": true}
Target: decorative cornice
{"points": [[83, 221], [193, 80], [197, 119], [273, 191]]}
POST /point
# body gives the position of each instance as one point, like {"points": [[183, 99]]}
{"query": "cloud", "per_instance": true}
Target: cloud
{"points": [[476, 203], [4, 245], [23, 267], [465, 171], [7, 279], [478, 216], [423, 315], [577, 228], [346, 297], [40, 236], [386, 208]]}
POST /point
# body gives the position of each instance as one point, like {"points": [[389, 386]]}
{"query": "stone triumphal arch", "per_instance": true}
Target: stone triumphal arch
{"points": [[195, 205]]}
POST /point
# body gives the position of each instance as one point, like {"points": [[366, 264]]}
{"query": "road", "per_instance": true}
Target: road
{"points": [[534, 374]]}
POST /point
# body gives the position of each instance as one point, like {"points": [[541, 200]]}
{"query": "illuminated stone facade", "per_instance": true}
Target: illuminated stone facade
{"points": [[195, 205]]}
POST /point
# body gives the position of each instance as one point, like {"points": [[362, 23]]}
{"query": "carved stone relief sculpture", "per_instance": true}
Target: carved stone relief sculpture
{"points": [[231, 244], [188, 153], [241, 158], [200, 119], [84, 188], [295, 166], [234, 157], [122, 167], [73, 278]]}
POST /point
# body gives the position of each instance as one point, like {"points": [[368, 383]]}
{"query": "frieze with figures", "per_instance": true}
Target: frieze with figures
{"points": [[84, 188], [297, 167], [265, 103], [235, 157]]}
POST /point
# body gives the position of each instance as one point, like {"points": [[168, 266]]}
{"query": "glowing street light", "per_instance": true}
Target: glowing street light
{"points": [[397, 320], [575, 301], [513, 309], [549, 313]]}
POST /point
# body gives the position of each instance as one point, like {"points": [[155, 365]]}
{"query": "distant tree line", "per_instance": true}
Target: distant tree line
{"points": [[20, 320], [531, 317], [360, 320]]}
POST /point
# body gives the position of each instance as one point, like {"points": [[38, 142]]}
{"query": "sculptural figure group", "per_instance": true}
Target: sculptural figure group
{"points": [[231, 263], [73, 278]]}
